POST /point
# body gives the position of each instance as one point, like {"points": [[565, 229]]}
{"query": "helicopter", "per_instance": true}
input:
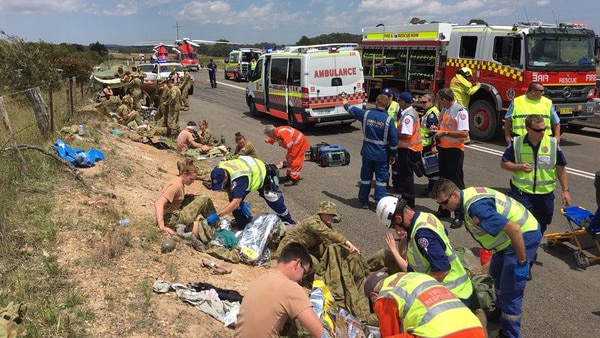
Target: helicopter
{"points": [[186, 53], [161, 54]]}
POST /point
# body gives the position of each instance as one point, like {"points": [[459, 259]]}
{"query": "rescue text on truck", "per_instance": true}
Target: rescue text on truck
{"points": [[504, 60]]}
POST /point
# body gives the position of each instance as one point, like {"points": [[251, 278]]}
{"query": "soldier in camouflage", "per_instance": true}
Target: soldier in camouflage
{"points": [[173, 104], [185, 87], [316, 233]]}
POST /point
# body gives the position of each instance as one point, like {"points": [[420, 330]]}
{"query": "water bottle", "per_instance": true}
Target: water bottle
{"points": [[81, 130], [123, 221]]}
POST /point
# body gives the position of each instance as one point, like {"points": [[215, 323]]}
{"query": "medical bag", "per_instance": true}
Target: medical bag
{"points": [[329, 155]]}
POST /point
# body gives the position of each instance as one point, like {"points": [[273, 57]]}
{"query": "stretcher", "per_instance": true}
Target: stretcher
{"points": [[581, 222]]}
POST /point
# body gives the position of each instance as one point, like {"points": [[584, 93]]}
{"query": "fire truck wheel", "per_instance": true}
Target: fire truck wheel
{"points": [[483, 121]]}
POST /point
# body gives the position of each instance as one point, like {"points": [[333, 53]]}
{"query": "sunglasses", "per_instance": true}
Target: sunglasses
{"points": [[447, 200], [538, 130]]}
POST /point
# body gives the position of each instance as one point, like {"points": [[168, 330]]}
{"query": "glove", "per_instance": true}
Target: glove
{"points": [[212, 218], [521, 272], [245, 206]]}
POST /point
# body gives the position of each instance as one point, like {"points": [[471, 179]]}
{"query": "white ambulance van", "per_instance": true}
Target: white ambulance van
{"points": [[304, 85]]}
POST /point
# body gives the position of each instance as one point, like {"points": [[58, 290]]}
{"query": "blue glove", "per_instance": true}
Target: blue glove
{"points": [[245, 206], [521, 272], [212, 218]]}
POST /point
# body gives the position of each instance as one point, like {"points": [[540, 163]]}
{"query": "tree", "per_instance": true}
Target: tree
{"points": [[417, 21], [99, 48]]}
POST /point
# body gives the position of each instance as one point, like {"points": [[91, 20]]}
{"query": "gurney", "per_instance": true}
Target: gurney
{"points": [[581, 222]]}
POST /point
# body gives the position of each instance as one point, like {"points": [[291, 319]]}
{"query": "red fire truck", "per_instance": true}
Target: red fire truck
{"points": [[504, 59]]}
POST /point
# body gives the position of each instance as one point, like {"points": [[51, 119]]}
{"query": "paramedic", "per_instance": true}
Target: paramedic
{"points": [[430, 118], [416, 305], [504, 226], [239, 177], [379, 148]]}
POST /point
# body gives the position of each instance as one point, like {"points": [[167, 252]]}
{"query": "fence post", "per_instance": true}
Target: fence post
{"points": [[51, 105], [39, 109], [71, 83], [10, 134]]}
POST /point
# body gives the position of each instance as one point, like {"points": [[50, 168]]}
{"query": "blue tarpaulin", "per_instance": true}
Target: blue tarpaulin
{"points": [[77, 157]]}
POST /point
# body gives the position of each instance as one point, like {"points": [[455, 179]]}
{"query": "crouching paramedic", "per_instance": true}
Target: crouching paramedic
{"points": [[416, 305], [241, 176]]}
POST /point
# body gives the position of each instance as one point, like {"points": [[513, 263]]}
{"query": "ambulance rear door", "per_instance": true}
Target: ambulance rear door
{"points": [[329, 75]]}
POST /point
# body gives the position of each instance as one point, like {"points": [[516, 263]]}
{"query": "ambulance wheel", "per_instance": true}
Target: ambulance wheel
{"points": [[582, 261], [252, 106], [483, 122], [292, 122]]}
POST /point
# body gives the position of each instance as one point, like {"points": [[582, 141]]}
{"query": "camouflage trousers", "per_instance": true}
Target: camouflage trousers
{"points": [[173, 119], [201, 205], [384, 259]]}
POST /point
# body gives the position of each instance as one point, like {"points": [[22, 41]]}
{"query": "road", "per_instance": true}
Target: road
{"points": [[562, 300]]}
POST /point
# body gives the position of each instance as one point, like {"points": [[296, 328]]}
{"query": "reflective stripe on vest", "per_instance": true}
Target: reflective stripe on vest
{"points": [[414, 142], [426, 138], [507, 207], [291, 131], [523, 106], [542, 179], [457, 279], [251, 167], [385, 131], [448, 123], [422, 301]]}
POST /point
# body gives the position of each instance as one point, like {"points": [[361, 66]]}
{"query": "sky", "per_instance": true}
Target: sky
{"points": [[127, 22]]}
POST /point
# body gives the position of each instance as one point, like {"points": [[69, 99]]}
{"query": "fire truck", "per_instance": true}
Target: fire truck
{"points": [[424, 58]]}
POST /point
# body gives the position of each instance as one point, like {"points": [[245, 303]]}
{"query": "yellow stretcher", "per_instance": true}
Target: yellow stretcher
{"points": [[581, 222]]}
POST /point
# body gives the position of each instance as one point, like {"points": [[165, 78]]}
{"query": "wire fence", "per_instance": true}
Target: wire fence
{"points": [[33, 115]]}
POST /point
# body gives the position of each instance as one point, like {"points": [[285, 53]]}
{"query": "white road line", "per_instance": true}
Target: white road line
{"points": [[570, 170]]}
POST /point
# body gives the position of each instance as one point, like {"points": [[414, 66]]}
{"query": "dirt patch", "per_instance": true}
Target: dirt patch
{"points": [[114, 266]]}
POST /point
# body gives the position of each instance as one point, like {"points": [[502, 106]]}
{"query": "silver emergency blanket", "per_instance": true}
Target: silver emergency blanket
{"points": [[256, 236]]}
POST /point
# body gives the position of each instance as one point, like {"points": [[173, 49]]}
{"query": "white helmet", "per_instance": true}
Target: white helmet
{"points": [[388, 207]]}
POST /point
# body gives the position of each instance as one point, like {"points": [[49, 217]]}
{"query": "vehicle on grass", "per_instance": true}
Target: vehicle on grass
{"points": [[237, 64], [304, 85], [504, 59]]}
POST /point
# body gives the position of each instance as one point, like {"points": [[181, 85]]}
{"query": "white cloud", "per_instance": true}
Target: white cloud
{"points": [[542, 2], [40, 6]]}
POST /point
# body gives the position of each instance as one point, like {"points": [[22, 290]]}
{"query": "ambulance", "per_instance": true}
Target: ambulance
{"points": [[304, 85], [237, 64]]}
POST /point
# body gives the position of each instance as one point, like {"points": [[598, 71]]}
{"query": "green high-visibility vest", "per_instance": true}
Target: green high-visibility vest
{"points": [[523, 106], [542, 179], [248, 166], [425, 137], [506, 206]]}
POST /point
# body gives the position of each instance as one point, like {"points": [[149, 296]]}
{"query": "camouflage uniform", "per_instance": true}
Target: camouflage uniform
{"points": [[135, 88], [123, 111], [201, 205], [314, 234], [173, 104], [206, 138], [185, 87]]}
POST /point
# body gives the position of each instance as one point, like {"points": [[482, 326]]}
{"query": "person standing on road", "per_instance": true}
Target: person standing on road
{"points": [[536, 162], [241, 176], [393, 108], [379, 148], [184, 87], [429, 121], [450, 136], [413, 304], [275, 297], [409, 149], [532, 102], [504, 226], [428, 247], [212, 73], [296, 145], [173, 106]]}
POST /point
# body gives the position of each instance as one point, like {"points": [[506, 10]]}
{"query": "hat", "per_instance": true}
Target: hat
{"points": [[405, 96], [372, 279], [328, 208], [217, 177]]}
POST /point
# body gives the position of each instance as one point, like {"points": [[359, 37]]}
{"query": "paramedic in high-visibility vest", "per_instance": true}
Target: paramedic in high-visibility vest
{"points": [[428, 247], [532, 102], [431, 118], [409, 149], [239, 177], [416, 305], [536, 162], [462, 87], [504, 226], [296, 145]]}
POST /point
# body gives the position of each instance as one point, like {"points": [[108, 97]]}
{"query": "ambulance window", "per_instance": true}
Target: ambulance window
{"points": [[234, 58], [294, 73], [278, 71], [258, 69], [468, 46]]}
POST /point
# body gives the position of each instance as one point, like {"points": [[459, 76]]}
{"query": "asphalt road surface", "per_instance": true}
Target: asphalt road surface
{"points": [[562, 300]]}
